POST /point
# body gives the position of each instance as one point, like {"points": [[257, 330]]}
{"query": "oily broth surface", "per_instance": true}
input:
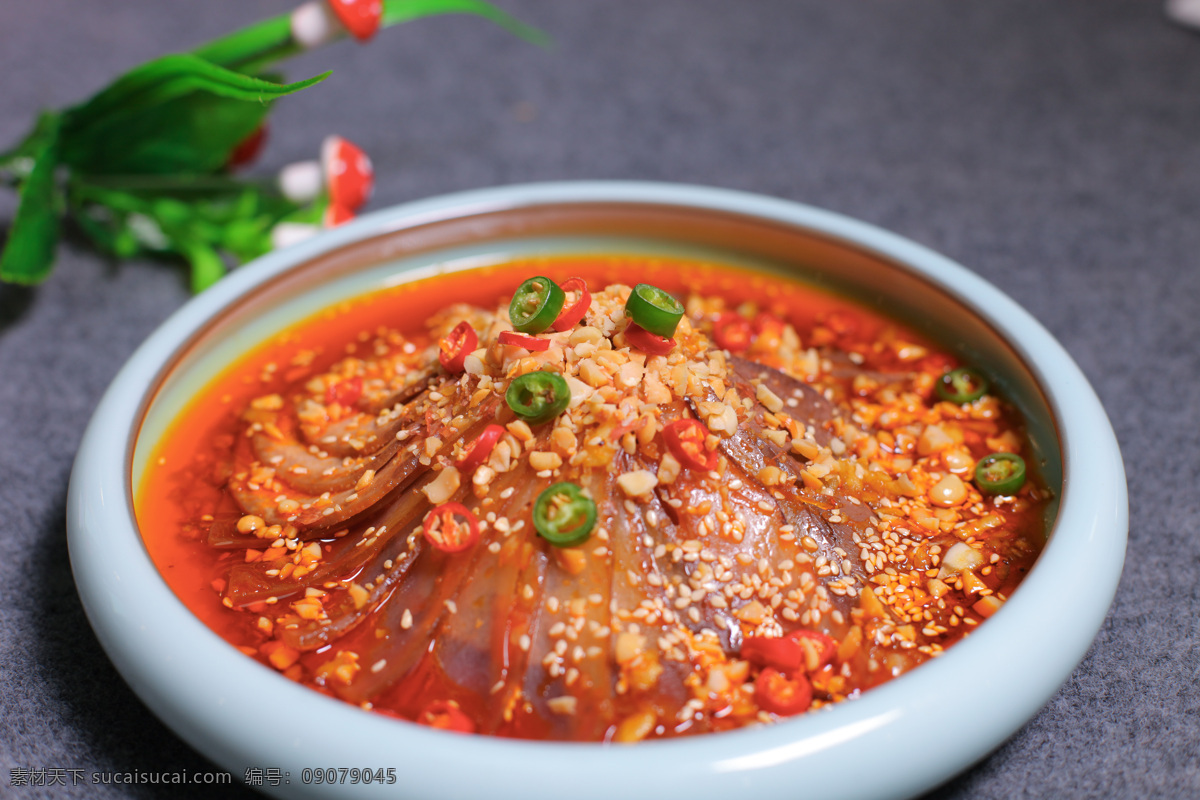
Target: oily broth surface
{"points": [[179, 490]]}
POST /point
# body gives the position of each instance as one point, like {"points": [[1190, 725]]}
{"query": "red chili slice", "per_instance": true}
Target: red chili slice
{"points": [[345, 392], [825, 646], [648, 342], [570, 317], [530, 343], [789, 653], [779, 694], [451, 528], [781, 652], [454, 347], [766, 322], [447, 716], [732, 332], [685, 439], [481, 448]]}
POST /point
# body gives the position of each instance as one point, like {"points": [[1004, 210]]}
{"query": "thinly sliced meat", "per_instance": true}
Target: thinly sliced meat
{"points": [[364, 432], [462, 655], [408, 622], [469, 649], [825, 519], [332, 510], [821, 528], [345, 556], [415, 382], [312, 514], [308, 469], [259, 580], [713, 552], [222, 530], [224, 535], [584, 670], [351, 604], [518, 618], [469, 640], [544, 680], [801, 401], [410, 464], [639, 579]]}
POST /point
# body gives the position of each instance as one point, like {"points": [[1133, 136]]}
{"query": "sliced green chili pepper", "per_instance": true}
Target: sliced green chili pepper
{"points": [[536, 304], [1000, 473], [654, 310], [962, 385], [563, 516], [538, 396]]}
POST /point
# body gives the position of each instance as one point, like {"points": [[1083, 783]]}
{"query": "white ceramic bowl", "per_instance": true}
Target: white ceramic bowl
{"points": [[896, 741]]}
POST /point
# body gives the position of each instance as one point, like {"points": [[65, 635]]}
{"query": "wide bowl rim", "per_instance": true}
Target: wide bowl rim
{"points": [[197, 684]]}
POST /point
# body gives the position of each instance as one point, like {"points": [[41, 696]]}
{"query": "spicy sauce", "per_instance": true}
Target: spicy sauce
{"points": [[893, 447]]}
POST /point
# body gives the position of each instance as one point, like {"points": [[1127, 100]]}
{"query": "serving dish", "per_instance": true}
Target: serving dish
{"points": [[244, 716]]}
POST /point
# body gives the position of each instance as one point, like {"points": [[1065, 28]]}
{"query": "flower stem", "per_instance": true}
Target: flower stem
{"points": [[250, 49]]}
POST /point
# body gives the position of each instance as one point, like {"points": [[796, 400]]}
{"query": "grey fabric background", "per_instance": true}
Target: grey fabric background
{"points": [[1053, 147]]}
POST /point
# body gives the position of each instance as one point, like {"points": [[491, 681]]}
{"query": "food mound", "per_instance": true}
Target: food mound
{"points": [[605, 514]]}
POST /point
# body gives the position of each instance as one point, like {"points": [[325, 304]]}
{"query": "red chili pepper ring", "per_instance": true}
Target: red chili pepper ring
{"points": [[685, 439], [570, 317], [451, 528], [454, 347], [782, 695], [481, 448], [533, 344], [732, 332], [647, 342]]}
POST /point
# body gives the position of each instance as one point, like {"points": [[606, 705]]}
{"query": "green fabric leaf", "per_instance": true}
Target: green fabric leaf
{"points": [[207, 265], [18, 161], [194, 133], [222, 213], [108, 235], [172, 76], [176, 114], [397, 11], [29, 252], [247, 238]]}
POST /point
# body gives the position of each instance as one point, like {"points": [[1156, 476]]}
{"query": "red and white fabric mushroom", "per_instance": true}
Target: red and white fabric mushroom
{"points": [[336, 215], [344, 171], [345, 174], [320, 21]]}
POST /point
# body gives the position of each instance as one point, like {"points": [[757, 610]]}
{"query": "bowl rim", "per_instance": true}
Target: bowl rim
{"points": [[198, 684]]}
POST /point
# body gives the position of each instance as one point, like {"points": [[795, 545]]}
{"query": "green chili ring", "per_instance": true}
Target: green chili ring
{"points": [[962, 385], [538, 397], [654, 310], [536, 304], [1000, 473], [566, 522]]}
